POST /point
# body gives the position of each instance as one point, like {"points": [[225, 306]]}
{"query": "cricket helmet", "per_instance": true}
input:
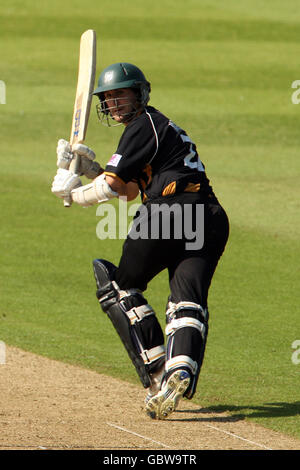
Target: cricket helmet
{"points": [[123, 75]]}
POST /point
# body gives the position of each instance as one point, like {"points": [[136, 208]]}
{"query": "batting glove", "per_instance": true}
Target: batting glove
{"points": [[64, 182], [88, 167], [64, 154], [84, 151]]}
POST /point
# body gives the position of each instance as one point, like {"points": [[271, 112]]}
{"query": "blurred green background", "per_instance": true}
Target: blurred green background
{"points": [[222, 71]]}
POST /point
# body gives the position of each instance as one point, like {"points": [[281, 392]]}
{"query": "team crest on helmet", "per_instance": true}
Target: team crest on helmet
{"points": [[108, 76]]}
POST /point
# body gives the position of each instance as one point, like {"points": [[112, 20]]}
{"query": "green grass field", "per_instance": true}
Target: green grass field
{"points": [[223, 71]]}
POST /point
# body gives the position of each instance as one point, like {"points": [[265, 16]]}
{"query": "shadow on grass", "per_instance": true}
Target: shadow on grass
{"points": [[238, 413]]}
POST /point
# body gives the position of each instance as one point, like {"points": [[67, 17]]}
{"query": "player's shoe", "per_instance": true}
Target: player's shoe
{"points": [[166, 400], [155, 378]]}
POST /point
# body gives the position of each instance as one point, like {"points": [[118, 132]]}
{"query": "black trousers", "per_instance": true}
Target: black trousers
{"points": [[190, 265]]}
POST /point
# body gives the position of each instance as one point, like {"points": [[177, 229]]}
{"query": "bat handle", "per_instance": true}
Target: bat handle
{"points": [[67, 201], [74, 167]]}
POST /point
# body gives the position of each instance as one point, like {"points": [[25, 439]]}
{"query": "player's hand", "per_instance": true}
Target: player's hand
{"points": [[88, 166], [84, 151], [64, 154], [63, 183]]}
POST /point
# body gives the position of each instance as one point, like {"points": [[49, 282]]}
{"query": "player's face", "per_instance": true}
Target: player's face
{"points": [[121, 104]]}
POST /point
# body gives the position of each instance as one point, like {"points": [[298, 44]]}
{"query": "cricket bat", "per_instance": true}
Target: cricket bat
{"points": [[83, 98]]}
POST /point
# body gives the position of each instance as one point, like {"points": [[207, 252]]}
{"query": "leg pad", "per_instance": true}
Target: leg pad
{"points": [[186, 330], [133, 319]]}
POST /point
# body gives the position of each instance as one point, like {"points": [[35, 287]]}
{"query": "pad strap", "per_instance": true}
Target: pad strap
{"points": [[153, 354], [137, 314], [181, 361], [184, 305], [177, 323]]}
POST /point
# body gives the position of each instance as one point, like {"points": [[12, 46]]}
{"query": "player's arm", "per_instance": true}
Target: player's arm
{"points": [[102, 188], [67, 184], [130, 190]]}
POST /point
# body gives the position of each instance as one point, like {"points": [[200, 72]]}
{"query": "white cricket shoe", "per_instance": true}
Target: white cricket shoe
{"points": [[166, 400]]}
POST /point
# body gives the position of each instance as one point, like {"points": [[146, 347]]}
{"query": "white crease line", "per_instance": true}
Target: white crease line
{"points": [[238, 437], [139, 435]]}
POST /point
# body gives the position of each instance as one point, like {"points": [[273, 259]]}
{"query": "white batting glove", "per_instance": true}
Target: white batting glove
{"points": [[64, 182], [83, 151], [64, 154], [88, 166]]}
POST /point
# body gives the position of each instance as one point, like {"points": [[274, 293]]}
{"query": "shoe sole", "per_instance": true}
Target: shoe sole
{"points": [[166, 401]]}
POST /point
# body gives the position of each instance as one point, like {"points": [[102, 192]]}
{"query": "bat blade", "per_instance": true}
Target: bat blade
{"points": [[83, 97]]}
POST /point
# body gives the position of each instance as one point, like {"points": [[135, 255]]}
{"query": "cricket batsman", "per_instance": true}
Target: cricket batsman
{"points": [[156, 159]]}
